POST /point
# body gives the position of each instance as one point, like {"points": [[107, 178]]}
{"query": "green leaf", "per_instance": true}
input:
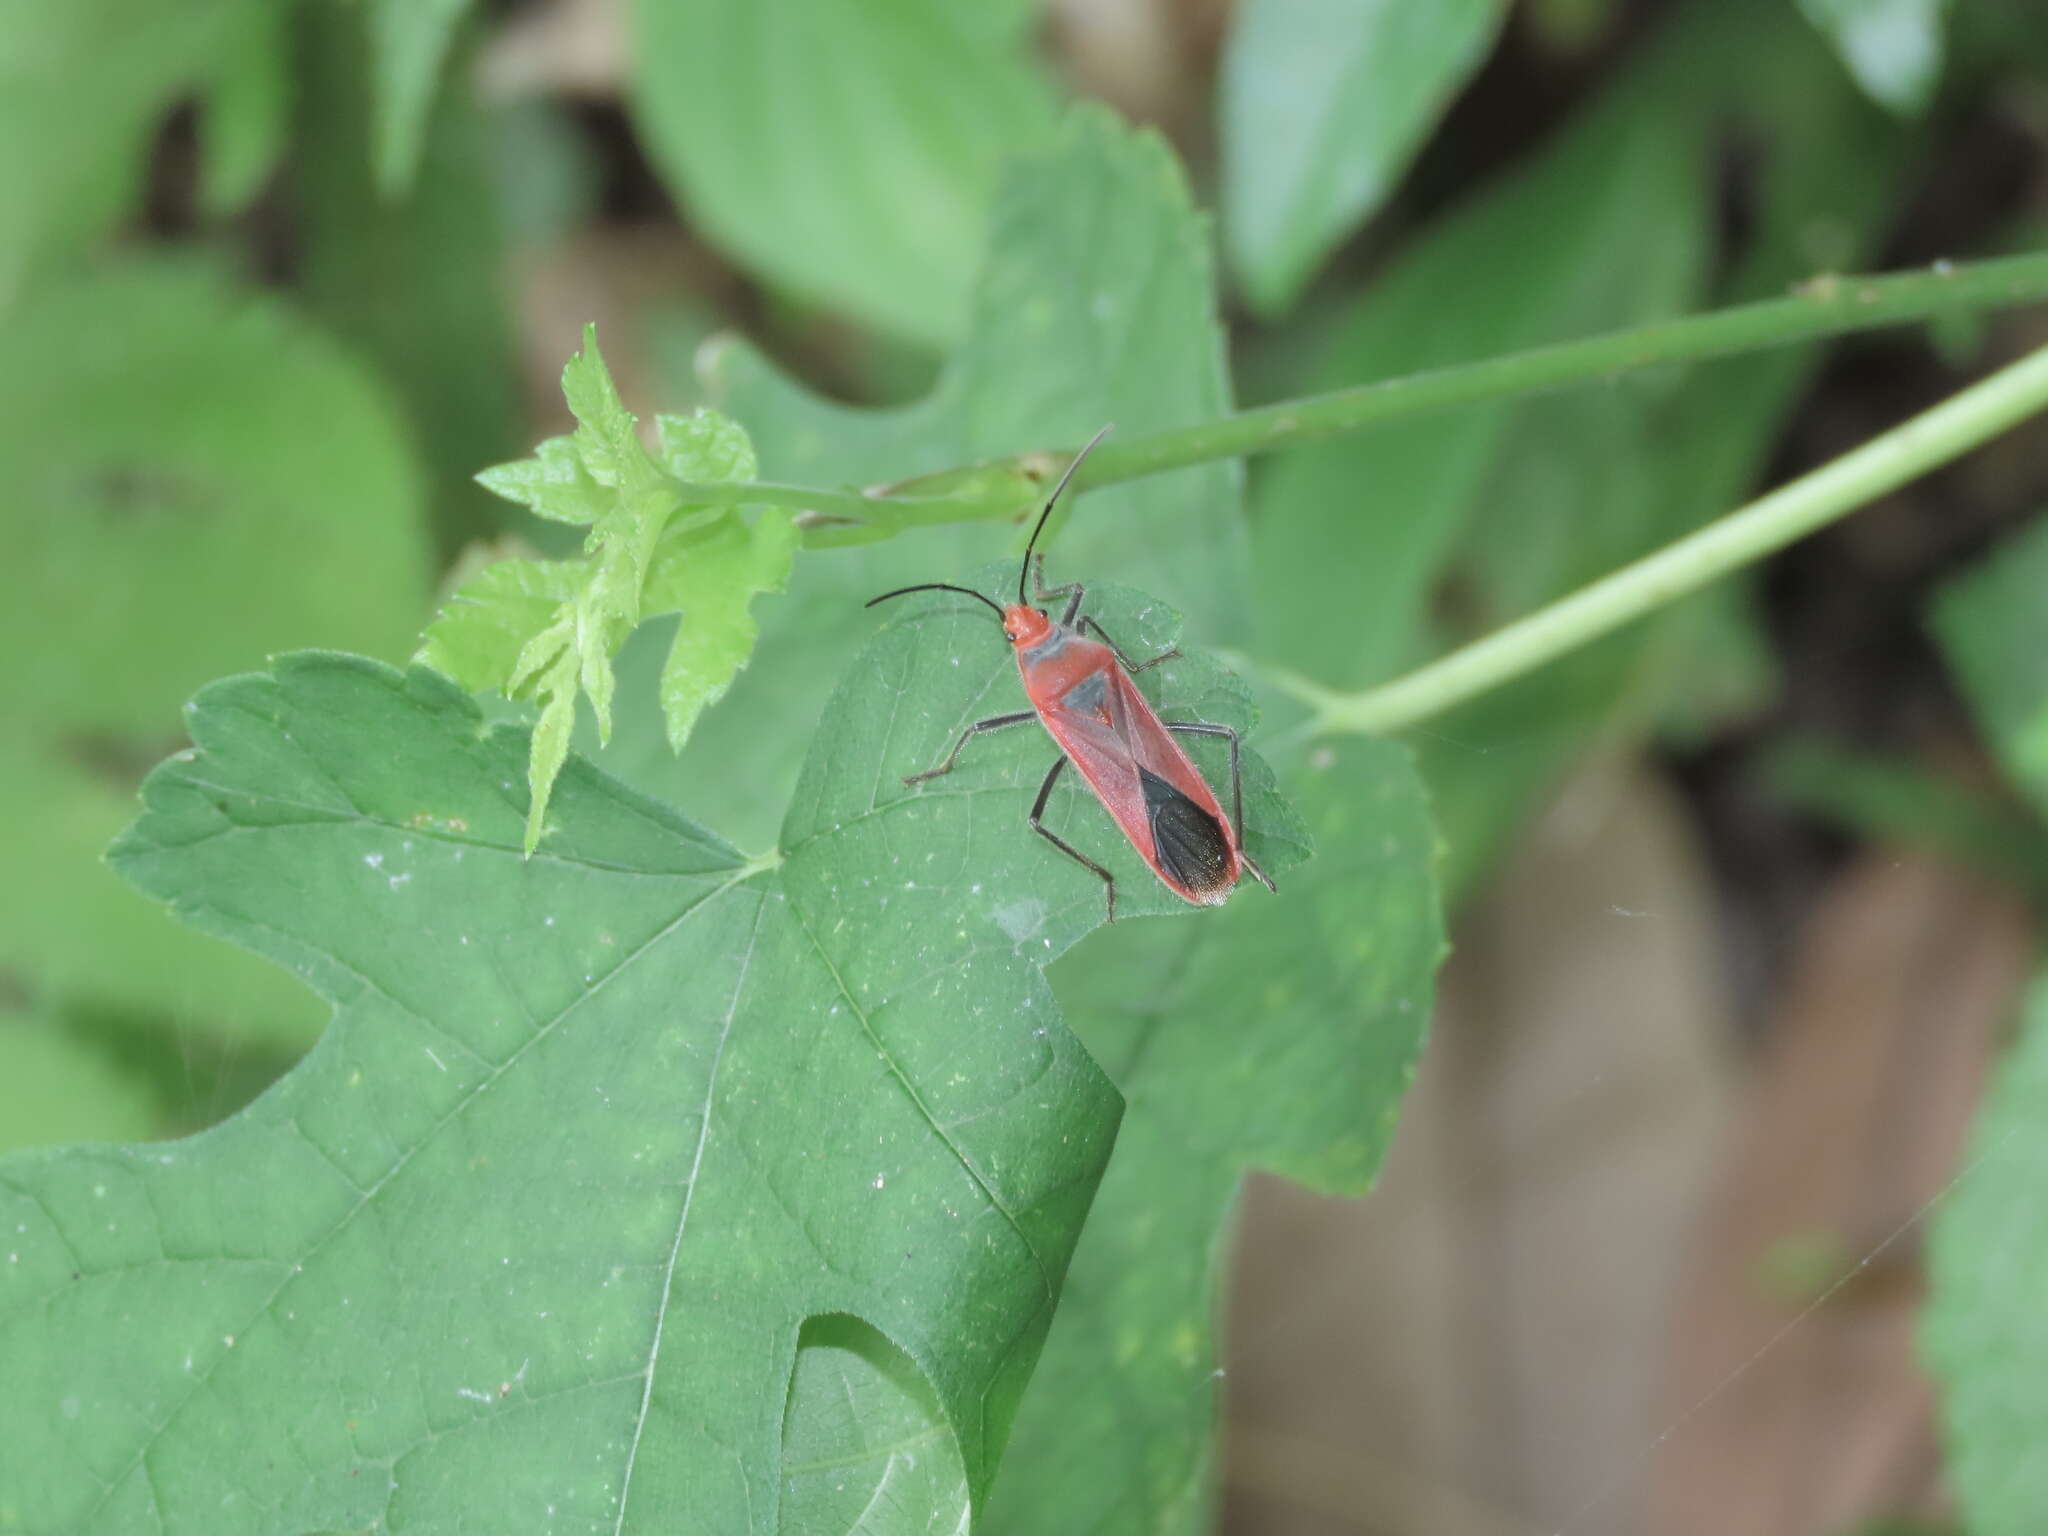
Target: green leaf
{"points": [[248, 113], [1888, 801], [1280, 1037], [552, 484], [865, 1450], [1990, 622], [82, 85], [592, 1133], [711, 576], [489, 620], [551, 634], [1985, 1334], [846, 153], [56, 1086], [410, 40], [1607, 227], [196, 478], [1322, 104], [1891, 47], [1096, 305], [417, 286], [705, 445]]}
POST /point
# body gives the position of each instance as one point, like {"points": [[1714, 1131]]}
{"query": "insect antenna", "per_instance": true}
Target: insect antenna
{"points": [[1072, 465], [934, 586]]}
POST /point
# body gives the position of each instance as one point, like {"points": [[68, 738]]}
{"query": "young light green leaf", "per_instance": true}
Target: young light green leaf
{"points": [[705, 446], [1322, 104], [605, 430], [632, 1109], [1985, 1334], [482, 632], [1992, 622], [550, 633], [1338, 975], [1891, 47], [553, 483], [197, 478], [847, 153], [409, 44], [711, 575]]}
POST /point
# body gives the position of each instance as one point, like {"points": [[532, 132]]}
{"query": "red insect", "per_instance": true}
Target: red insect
{"points": [[1081, 692]]}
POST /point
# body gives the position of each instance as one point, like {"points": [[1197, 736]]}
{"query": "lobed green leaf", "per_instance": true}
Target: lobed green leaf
{"points": [[540, 1221]]}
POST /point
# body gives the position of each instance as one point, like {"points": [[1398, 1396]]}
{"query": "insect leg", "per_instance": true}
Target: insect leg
{"points": [[1201, 728], [1073, 591], [993, 723], [1038, 826], [1133, 667]]}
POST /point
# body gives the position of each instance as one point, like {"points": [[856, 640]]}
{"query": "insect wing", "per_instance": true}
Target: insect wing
{"points": [[1146, 782]]}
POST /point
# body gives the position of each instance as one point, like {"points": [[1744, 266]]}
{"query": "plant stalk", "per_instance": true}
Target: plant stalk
{"points": [[1880, 466], [1823, 306]]}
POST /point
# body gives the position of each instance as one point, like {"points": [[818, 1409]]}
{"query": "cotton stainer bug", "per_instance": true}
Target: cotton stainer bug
{"points": [[1081, 692]]}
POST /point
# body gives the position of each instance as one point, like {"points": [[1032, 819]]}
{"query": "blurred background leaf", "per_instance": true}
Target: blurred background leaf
{"points": [[195, 476], [1591, 479], [409, 43], [846, 153], [1893, 48], [1983, 1333], [1990, 627], [76, 113], [415, 280], [1321, 105]]}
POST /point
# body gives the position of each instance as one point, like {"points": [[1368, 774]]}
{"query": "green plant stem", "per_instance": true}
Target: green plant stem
{"points": [[1837, 488], [1825, 306]]}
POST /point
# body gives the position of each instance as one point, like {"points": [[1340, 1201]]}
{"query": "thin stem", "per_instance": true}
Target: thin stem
{"points": [[1824, 306], [852, 505], [1837, 488]]}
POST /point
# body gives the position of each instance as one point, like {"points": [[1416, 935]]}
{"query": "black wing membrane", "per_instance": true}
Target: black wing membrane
{"points": [[1188, 841]]}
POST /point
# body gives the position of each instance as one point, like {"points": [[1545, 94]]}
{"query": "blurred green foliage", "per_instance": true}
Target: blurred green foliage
{"points": [[257, 333]]}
